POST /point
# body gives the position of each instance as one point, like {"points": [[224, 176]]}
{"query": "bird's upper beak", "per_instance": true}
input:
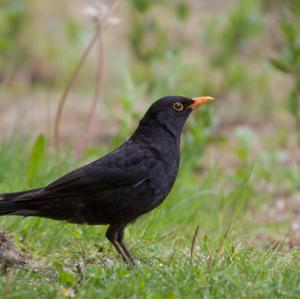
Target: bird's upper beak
{"points": [[198, 101]]}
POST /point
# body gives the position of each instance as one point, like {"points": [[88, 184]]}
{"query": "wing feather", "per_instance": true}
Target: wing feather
{"points": [[108, 173]]}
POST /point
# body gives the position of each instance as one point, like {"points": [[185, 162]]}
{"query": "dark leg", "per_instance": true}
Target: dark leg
{"points": [[112, 236], [124, 247]]}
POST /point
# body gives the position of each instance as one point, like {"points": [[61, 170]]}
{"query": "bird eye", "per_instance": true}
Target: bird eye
{"points": [[178, 106]]}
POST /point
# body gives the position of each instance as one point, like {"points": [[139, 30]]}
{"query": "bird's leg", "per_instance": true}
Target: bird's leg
{"points": [[124, 247], [112, 236]]}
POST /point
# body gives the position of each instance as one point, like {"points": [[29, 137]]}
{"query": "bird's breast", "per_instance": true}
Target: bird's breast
{"points": [[161, 180]]}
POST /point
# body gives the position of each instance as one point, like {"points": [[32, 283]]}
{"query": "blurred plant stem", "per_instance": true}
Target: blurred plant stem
{"points": [[100, 23], [70, 83], [89, 121]]}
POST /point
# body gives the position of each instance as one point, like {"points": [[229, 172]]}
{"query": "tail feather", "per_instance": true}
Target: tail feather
{"points": [[9, 204], [13, 195], [7, 207]]}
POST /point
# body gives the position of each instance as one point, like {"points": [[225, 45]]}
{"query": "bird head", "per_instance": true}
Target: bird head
{"points": [[171, 112]]}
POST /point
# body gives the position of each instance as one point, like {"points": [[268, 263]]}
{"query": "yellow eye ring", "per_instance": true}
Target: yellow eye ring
{"points": [[178, 106]]}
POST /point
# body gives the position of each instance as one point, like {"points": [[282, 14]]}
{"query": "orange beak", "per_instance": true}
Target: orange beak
{"points": [[198, 101]]}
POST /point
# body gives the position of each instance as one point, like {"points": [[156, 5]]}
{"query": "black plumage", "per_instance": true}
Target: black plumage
{"points": [[121, 186]]}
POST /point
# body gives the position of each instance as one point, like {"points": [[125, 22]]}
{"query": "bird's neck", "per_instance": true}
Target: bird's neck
{"points": [[154, 132]]}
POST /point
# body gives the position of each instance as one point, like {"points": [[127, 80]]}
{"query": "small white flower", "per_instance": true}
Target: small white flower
{"points": [[90, 11], [114, 21], [280, 204], [109, 262], [295, 226], [100, 11]]}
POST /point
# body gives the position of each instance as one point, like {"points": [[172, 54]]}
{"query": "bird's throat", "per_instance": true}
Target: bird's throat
{"points": [[159, 136]]}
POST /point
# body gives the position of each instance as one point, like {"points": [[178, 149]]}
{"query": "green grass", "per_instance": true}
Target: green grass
{"points": [[230, 259], [239, 274]]}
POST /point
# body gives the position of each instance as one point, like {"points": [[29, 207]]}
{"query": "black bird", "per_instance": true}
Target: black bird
{"points": [[116, 189]]}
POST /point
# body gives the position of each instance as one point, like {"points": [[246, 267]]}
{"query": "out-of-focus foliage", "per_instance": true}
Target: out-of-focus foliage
{"points": [[14, 17], [233, 40], [288, 62], [233, 33], [148, 36], [33, 53], [160, 61]]}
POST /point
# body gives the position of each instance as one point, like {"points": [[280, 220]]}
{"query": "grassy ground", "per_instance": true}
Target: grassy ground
{"points": [[246, 246]]}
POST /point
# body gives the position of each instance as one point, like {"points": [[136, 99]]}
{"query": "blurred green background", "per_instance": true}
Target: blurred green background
{"points": [[240, 171]]}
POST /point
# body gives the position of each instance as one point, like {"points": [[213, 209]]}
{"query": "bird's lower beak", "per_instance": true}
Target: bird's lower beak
{"points": [[200, 101]]}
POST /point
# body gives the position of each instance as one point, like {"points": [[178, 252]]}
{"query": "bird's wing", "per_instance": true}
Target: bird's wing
{"points": [[93, 179], [118, 169]]}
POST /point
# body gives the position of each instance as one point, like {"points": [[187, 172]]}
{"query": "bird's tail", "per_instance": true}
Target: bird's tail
{"points": [[8, 201], [7, 208]]}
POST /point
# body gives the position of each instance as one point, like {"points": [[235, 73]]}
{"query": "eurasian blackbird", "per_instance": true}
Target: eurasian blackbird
{"points": [[116, 189]]}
